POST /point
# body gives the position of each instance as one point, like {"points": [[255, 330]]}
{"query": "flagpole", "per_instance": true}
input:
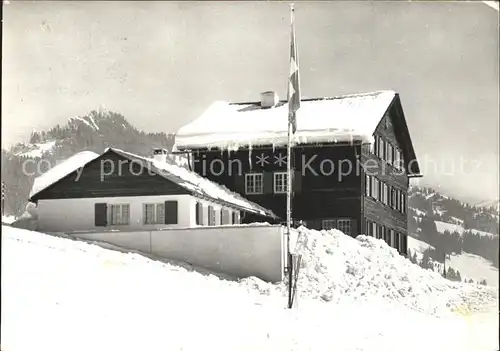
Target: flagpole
{"points": [[289, 212], [291, 118]]}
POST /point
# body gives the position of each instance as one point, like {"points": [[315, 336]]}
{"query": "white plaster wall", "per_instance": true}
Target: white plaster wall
{"points": [[140, 241], [239, 251], [67, 215]]}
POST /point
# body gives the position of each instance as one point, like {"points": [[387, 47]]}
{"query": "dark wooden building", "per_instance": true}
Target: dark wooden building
{"points": [[340, 179]]}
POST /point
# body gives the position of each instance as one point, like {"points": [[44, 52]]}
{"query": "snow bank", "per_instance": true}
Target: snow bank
{"points": [[336, 266], [59, 294]]}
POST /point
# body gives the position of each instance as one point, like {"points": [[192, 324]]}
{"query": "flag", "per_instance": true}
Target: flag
{"points": [[293, 80]]}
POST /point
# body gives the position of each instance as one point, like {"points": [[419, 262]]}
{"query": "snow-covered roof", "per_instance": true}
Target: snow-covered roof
{"points": [[231, 125], [197, 184], [61, 170]]}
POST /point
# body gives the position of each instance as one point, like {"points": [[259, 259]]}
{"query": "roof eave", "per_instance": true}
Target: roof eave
{"points": [[160, 172]]}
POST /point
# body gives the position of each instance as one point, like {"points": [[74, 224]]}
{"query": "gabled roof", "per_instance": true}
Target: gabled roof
{"points": [[232, 125], [191, 181], [196, 184], [61, 170], [347, 118]]}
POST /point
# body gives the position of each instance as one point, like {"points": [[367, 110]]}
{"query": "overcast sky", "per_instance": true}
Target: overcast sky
{"points": [[161, 64]]}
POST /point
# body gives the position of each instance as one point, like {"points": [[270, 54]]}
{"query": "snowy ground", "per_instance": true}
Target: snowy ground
{"points": [[416, 245], [450, 227], [59, 294], [469, 265], [475, 267]]}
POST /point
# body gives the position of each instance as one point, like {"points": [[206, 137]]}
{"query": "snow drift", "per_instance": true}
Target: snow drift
{"points": [[60, 294], [336, 267]]}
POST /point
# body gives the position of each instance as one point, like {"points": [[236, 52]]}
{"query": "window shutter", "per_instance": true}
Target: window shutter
{"points": [[268, 183], [171, 212], [297, 182], [199, 218], [100, 214]]}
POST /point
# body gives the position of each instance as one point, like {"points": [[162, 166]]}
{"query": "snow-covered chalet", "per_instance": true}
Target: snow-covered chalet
{"points": [[352, 159], [118, 190]]}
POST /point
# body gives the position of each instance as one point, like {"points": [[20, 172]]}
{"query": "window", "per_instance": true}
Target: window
{"points": [[154, 213], [344, 225], [375, 182], [366, 149], [386, 194], [390, 151], [211, 216], [382, 233], [229, 217], [375, 145], [236, 217], [382, 149], [383, 192], [397, 160], [120, 214], [328, 224], [280, 182], [367, 185], [254, 183], [369, 228]]}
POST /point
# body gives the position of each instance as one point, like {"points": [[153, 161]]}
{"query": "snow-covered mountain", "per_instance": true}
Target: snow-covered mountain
{"points": [[93, 132], [468, 234], [354, 294]]}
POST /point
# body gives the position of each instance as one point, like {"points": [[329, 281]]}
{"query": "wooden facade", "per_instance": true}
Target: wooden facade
{"points": [[385, 185], [107, 176], [323, 197], [319, 191]]}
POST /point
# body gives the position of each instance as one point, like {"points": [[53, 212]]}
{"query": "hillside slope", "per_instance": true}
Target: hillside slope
{"points": [[457, 229], [59, 294]]}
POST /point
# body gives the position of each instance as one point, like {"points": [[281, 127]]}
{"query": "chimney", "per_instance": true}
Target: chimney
{"points": [[160, 154], [268, 99]]}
